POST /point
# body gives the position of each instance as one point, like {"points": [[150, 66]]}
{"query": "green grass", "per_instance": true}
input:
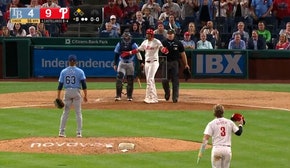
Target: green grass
{"points": [[264, 143]]}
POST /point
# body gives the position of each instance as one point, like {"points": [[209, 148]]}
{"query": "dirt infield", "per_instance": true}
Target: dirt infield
{"points": [[104, 99]]}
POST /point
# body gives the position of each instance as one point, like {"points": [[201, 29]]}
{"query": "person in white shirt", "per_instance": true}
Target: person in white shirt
{"points": [[221, 130], [33, 32], [203, 43]]}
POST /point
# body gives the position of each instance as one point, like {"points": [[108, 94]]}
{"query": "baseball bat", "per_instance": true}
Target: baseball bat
{"points": [[197, 161], [139, 82]]}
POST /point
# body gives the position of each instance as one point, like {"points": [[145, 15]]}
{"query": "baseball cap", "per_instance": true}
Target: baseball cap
{"points": [[187, 34], [72, 58], [113, 17], [170, 31]]}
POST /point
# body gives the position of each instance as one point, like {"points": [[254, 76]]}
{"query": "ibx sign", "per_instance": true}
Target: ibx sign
{"points": [[220, 65]]}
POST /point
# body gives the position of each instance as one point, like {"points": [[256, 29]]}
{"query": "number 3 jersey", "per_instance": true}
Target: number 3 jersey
{"points": [[221, 129]]}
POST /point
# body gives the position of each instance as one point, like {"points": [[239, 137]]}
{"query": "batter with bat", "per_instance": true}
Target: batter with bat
{"points": [[220, 129], [151, 46]]}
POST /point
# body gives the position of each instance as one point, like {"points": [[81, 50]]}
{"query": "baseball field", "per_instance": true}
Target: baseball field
{"points": [[164, 135]]}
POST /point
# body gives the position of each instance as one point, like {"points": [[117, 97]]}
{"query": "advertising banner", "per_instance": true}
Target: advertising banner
{"points": [[220, 64], [50, 62]]}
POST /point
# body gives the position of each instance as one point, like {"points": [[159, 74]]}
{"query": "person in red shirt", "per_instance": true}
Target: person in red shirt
{"points": [[112, 9], [283, 43], [281, 9]]}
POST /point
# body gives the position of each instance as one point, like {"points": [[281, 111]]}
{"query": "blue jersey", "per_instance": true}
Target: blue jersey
{"points": [[71, 77]]}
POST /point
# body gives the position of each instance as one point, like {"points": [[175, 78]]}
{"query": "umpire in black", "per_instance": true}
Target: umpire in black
{"points": [[176, 51]]}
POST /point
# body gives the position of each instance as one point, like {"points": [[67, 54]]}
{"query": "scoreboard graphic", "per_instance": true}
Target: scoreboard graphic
{"points": [[84, 14], [37, 15]]}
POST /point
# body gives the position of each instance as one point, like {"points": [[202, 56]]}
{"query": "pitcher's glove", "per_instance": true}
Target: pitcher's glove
{"points": [[58, 103], [237, 117], [186, 74]]}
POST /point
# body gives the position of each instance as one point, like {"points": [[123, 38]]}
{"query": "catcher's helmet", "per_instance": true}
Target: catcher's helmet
{"points": [[126, 36]]}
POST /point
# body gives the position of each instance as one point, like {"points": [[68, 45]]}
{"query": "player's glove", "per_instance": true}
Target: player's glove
{"points": [[164, 50], [238, 117], [186, 74], [58, 103]]}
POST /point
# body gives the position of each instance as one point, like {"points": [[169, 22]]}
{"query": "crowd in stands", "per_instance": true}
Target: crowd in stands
{"points": [[231, 24], [10, 29]]}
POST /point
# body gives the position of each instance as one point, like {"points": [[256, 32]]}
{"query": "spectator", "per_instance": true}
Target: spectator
{"points": [[121, 3], [18, 30], [160, 33], [266, 34], [281, 9], [116, 26], [283, 43], [109, 31], [142, 22], [188, 9], [286, 30], [34, 4], [5, 32], [203, 43], [256, 42], [50, 4], [149, 18], [191, 29], [174, 8], [129, 11], [165, 14], [237, 42], [221, 8], [33, 32], [135, 30], [261, 9], [112, 9], [154, 8], [242, 10], [211, 33], [172, 23], [205, 11], [42, 30], [187, 42], [241, 30]]}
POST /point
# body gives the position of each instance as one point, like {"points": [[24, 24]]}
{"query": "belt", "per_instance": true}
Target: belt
{"points": [[224, 145], [151, 61]]}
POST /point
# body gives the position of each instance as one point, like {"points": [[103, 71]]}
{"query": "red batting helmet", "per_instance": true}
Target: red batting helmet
{"points": [[150, 31]]}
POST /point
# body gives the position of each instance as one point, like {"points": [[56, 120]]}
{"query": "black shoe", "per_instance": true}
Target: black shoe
{"points": [[167, 96], [175, 100]]}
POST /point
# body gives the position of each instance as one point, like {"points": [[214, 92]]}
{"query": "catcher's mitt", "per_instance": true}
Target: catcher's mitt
{"points": [[237, 117], [58, 103], [186, 74]]}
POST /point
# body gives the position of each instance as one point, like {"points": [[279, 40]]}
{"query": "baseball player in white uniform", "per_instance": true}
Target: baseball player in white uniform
{"points": [[220, 129], [151, 46]]}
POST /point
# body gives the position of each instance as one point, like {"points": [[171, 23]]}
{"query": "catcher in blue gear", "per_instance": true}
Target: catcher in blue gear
{"points": [[124, 65]]}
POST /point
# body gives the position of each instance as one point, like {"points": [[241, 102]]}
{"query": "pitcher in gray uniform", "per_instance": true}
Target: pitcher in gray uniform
{"points": [[72, 79]]}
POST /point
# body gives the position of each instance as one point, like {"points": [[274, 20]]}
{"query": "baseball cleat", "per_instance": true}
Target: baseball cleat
{"points": [[167, 96], [117, 98], [61, 135], [79, 135], [130, 99]]}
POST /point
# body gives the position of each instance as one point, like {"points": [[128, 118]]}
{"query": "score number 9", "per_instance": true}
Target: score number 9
{"points": [[48, 13]]}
